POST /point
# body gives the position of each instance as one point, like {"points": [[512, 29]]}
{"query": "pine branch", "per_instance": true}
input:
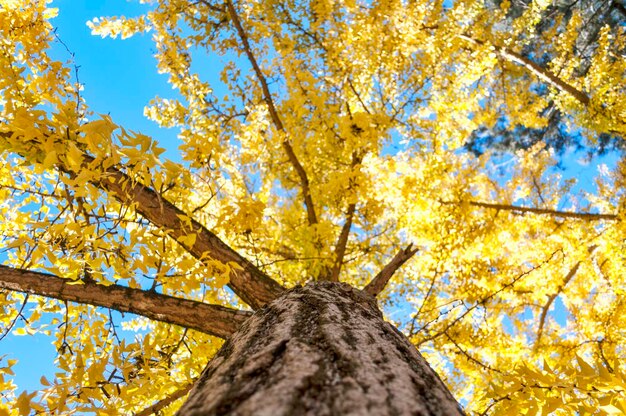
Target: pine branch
{"points": [[162, 404], [379, 282], [267, 96], [215, 320]]}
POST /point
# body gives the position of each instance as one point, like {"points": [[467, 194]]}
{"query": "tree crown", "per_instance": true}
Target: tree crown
{"points": [[330, 147]]}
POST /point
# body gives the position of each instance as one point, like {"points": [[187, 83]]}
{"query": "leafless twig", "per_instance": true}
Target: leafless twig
{"points": [[379, 281]]}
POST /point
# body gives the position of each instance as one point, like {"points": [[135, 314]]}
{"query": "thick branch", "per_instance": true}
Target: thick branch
{"points": [[540, 211], [379, 281], [541, 73], [161, 404], [252, 285], [342, 242], [211, 319], [267, 96]]}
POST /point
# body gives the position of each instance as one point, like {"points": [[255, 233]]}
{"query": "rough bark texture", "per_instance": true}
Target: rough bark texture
{"points": [[212, 319], [322, 349]]}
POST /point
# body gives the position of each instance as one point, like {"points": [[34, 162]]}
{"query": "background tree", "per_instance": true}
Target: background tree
{"points": [[330, 149], [584, 22]]}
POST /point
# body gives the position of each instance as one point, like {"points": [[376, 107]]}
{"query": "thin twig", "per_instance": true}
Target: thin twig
{"points": [[484, 300], [551, 298], [417, 314], [603, 357], [544, 311], [469, 357], [12, 324], [541, 211]]}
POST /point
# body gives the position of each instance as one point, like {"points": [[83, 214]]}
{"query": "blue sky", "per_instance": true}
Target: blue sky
{"points": [[119, 76]]}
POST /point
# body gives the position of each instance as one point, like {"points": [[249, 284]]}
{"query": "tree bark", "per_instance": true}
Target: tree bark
{"points": [[322, 349]]}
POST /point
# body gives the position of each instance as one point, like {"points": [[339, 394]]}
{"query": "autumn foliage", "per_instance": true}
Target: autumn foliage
{"points": [[335, 154]]}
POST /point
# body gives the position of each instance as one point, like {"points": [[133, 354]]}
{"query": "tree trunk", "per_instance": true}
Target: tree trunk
{"points": [[322, 349]]}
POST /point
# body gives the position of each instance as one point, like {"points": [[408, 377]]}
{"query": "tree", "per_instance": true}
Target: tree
{"points": [[583, 23], [335, 155]]}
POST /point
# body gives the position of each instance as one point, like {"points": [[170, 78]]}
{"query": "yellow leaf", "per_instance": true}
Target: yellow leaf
{"points": [[585, 368], [74, 156], [187, 240], [23, 403], [611, 410], [20, 331], [50, 159]]}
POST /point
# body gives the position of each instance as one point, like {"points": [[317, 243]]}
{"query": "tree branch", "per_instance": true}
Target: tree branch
{"points": [[379, 282], [252, 285], [267, 96], [540, 211], [342, 242], [541, 73], [161, 404], [551, 298], [468, 356], [215, 320]]}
